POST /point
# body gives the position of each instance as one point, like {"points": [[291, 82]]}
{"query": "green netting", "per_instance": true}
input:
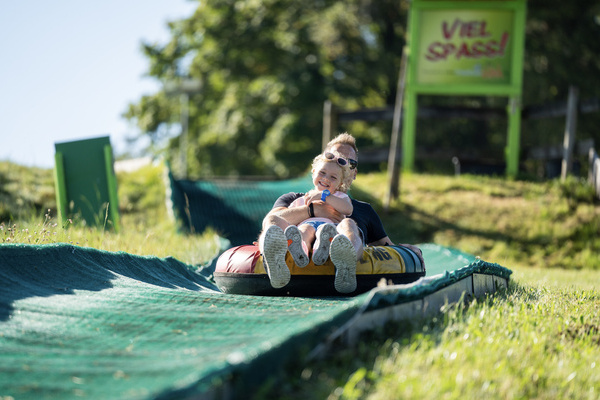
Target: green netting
{"points": [[79, 322], [235, 209]]}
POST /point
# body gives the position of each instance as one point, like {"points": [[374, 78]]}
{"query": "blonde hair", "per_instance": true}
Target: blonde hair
{"points": [[346, 178], [344, 139]]}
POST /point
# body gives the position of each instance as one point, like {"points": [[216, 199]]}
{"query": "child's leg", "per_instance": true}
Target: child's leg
{"points": [[308, 236], [324, 235]]}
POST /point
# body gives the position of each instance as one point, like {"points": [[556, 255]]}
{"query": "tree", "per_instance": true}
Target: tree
{"points": [[267, 68]]}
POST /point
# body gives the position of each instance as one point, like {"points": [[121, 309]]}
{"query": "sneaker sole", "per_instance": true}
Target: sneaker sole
{"points": [[274, 249], [343, 257], [294, 244], [322, 243]]}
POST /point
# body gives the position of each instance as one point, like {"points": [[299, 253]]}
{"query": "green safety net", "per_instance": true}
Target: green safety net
{"points": [[80, 322], [234, 209]]}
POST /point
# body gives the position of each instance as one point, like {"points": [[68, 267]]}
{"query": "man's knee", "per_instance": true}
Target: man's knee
{"points": [[348, 225], [270, 220]]}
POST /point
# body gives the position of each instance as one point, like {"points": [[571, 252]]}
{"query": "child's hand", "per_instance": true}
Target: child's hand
{"points": [[312, 196]]}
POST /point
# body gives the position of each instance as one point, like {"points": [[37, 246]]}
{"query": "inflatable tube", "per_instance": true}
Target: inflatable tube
{"points": [[240, 270]]}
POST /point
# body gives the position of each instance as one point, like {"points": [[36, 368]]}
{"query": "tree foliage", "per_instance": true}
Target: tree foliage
{"points": [[267, 66]]}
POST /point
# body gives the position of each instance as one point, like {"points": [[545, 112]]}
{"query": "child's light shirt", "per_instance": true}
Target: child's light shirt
{"points": [[300, 202]]}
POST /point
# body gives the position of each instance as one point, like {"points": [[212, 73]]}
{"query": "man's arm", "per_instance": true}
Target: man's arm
{"points": [[295, 215], [385, 241]]}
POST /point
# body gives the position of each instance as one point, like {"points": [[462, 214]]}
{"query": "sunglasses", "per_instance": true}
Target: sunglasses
{"points": [[341, 161]]}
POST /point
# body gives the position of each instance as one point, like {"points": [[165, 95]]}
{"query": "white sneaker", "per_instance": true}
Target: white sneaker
{"points": [[294, 245], [274, 249], [324, 235], [343, 257]]}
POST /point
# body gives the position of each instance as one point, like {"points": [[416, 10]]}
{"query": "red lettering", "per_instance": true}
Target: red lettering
{"points": [[439, 51], [468, 49], [482, 31], [471, 29], [467, 30], [503, 43], [463, 51], [448, 33], [479, 49]]}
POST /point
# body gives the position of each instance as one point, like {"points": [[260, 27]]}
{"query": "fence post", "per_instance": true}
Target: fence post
{"points": [[329, 122], [394, 169], [594, 171], [571, 126]]}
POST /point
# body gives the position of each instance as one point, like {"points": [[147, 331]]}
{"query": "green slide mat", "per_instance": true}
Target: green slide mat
{"points": [[233, 208], [80, 322]]}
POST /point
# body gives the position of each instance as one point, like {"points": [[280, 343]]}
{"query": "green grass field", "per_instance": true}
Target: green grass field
{"points": [[539, 339]]}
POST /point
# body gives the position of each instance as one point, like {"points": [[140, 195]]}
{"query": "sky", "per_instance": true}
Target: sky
{"points": [[69, 69]]}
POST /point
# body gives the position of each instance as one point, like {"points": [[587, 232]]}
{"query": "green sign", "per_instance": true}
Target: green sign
{"points": [[465, 48]]}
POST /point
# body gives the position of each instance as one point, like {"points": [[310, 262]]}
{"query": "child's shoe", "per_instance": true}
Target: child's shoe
{"points": [[324, 236], [294, 245], [343, 257], [274, 249]]}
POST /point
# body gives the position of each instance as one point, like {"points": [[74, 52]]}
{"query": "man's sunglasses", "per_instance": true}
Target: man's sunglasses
{"points": [[341, 161]]}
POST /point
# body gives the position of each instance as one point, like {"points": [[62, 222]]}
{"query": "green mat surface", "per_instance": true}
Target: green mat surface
{"points": [[79, 322], [234, 209]]}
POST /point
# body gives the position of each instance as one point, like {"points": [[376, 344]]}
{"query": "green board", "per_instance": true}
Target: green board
{"points": [[86, 185], [465, 48]]}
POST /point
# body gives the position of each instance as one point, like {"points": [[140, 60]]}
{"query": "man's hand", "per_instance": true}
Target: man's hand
{"points": [[324, 210]]}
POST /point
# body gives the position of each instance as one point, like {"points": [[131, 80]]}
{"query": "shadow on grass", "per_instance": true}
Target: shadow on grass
{"points": [[409, 224]]}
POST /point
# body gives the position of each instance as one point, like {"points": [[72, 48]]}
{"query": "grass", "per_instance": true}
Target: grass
{"points": [[146, 227], [539, 339]]}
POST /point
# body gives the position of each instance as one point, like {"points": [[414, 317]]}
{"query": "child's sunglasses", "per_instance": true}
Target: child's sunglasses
{"points": [[341, 161]]}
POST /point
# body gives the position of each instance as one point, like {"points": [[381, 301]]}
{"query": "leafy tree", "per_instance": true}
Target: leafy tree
{"points": [[267, 66]]}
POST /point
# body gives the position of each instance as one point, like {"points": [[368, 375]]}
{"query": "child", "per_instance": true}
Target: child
{"points": [[331, 177]]}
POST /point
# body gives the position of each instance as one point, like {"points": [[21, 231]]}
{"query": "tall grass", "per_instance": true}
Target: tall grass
{"points": [[146, 228]]}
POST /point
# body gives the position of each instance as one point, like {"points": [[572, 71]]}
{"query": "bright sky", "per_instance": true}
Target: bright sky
{"points": [[69, 69]]}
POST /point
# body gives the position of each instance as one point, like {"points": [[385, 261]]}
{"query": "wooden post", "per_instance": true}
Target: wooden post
{"points": [[594, 171], [393, 171], [571, 126], [329, 122], [514, 136]]}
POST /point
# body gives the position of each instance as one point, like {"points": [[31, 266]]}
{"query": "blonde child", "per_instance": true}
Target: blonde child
{"points": [[331, 179], [332, 176]]}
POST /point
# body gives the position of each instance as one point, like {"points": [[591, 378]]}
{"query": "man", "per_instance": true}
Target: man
{"points": [[362, 228]]}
